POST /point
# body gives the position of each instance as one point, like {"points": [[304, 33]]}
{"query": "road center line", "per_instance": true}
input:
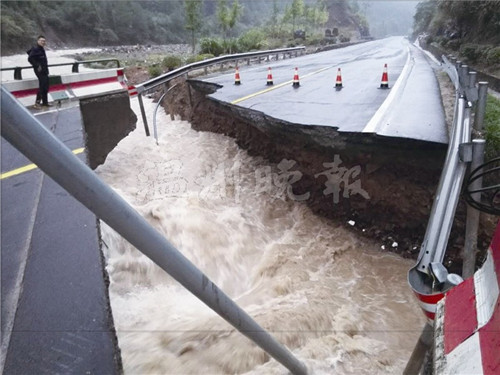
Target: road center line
{"points": [[30, 167], [277, 86]]}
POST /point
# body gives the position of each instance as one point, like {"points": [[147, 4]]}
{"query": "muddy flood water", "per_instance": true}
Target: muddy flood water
{"points": [[339, 302]]}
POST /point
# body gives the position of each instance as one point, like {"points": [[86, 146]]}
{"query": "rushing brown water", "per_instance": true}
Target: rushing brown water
{"points": [[337, 301]]}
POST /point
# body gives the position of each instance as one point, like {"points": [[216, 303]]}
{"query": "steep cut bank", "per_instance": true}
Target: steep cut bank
{"points": [[381, 187]]}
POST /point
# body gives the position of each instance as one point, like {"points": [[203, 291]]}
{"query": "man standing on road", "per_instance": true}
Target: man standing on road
{"points": [[38, 59]]}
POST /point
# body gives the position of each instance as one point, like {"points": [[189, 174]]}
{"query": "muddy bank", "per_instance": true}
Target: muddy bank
{"points": [[107, 119], [381, 187]]}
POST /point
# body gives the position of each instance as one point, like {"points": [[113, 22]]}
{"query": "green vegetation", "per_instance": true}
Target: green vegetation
{"points": [[171, 62], [154, 71], [492, 127], [193, 21], [198, 58], [239, 23], [212, 46], [470, 29], [467, 21], [254, 39], [228, 17]]}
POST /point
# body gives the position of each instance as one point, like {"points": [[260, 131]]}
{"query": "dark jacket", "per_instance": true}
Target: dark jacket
{"points": [[38, 59]]}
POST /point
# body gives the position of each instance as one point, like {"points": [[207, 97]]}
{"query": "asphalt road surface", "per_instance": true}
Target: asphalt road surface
{"points": [[55, 312], [410, 108]]}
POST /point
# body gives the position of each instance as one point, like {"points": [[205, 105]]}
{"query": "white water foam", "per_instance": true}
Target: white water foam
{"points": [[339, 303]]}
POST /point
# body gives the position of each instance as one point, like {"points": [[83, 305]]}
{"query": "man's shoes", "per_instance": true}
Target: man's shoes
{"points": [[46, 105], [37, 106]]}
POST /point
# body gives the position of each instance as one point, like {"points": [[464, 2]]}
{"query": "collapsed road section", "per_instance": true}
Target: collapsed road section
{"points": [[380, 175], [384, 185]]}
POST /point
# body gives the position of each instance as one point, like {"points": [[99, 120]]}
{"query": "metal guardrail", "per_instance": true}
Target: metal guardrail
{"points": [[155, 129], [74, 66], [183, 70], [38, 144], [164, 78], [429, 276]]}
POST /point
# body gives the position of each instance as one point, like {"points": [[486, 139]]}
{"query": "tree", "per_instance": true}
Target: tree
{"points": [[223, 16], [424, 14], [235, 14], [228, 17], [274, 18], [296, 11], [193, 19], [316, 16]]}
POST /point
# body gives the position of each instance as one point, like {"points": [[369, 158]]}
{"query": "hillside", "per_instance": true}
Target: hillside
{"points": [[126, 22], [469, 29]]}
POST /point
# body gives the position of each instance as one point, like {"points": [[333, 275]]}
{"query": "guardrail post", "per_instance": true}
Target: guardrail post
{"points": [[18, 75], [481, 106], [472, 79], [463, 72], [39, 145], [472, 221], [143, 113]]}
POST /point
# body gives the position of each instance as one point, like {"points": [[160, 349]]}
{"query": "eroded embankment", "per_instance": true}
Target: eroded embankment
{"points": [[385, 186]]}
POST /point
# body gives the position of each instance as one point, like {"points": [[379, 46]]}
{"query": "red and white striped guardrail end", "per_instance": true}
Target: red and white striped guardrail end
{"points": [[132, 90], [124, 82], [468, 321], [428, 303]]}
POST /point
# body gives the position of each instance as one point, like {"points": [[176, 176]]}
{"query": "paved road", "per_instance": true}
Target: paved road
{"points": [[54, 300], [411, 108]]}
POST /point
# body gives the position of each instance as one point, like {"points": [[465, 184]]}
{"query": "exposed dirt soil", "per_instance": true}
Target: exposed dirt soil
{"points": [[397, 178], [136, 74]]}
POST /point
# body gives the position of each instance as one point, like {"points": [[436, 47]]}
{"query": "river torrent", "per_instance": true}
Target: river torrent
{"points": [[339, 302]]}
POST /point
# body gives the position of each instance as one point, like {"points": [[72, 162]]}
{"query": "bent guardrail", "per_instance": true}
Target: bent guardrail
{"points": [[165, 78], [429, 279], [39, 145], [74, 66]]}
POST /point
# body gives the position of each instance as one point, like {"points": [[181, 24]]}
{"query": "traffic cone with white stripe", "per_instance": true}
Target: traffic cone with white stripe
{"points": [[338, 82], [237, 80], [296, 82], [269, 77], [384, 84]]}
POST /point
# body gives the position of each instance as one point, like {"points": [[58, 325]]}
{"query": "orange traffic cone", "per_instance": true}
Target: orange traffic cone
{"points": [[269, 77], [338, 82], [296, 82], [237, 80], [385, 79]]}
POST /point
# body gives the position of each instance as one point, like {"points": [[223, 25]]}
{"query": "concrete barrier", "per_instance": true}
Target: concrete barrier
{"points": [[468, 321], [73, 86]]}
